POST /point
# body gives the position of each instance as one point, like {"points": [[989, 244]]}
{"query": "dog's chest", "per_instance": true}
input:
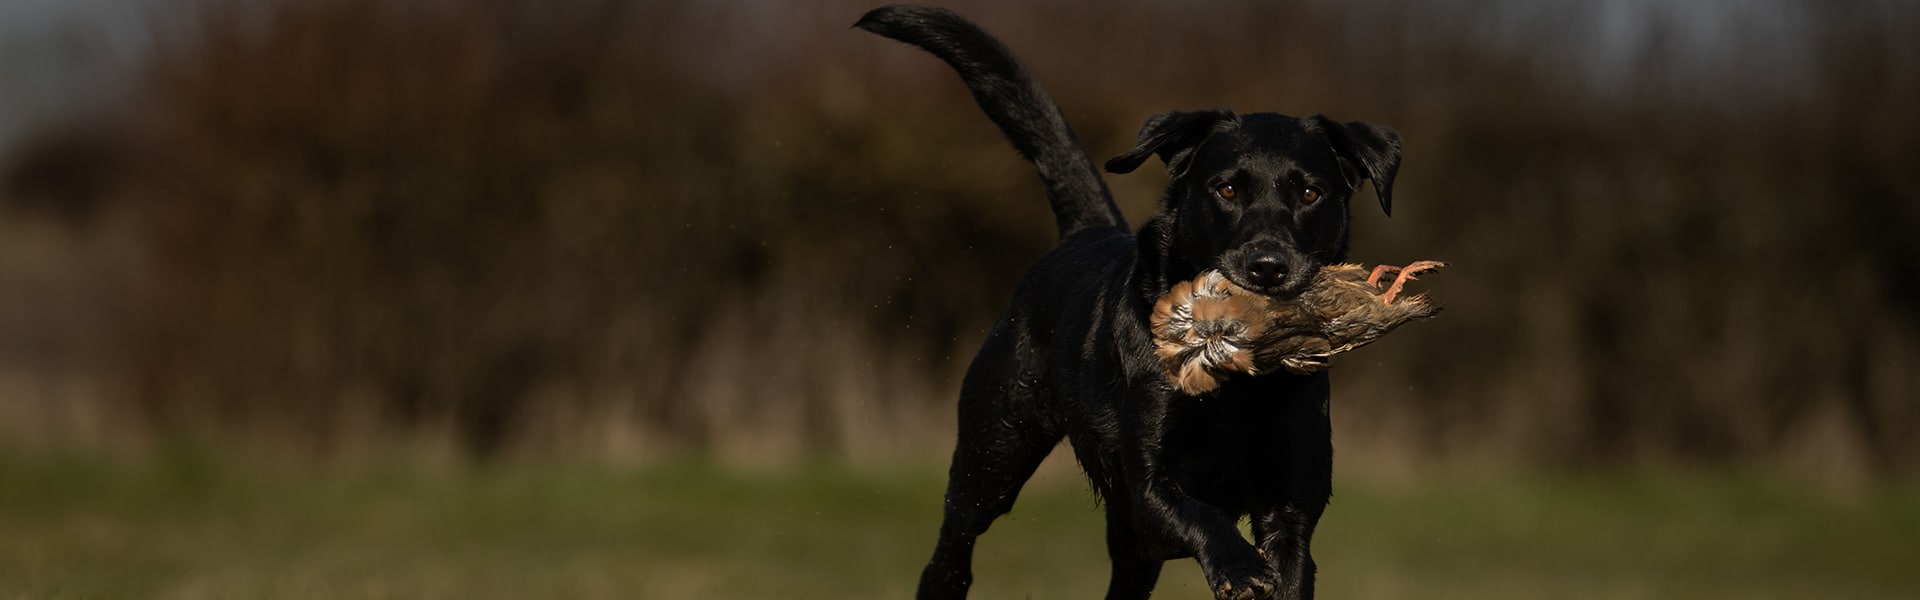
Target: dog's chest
{"points": [[1247, 443]]}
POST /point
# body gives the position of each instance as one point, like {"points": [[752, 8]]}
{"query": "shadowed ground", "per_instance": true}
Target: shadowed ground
{"points": [[186, 527]]}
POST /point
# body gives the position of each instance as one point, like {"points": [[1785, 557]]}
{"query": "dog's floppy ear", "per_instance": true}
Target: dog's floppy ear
{"points": [[1372, 148], [1172, 135]]}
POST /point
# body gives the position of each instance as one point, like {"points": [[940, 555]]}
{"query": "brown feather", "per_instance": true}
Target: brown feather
{"points": [[1208, 329]]}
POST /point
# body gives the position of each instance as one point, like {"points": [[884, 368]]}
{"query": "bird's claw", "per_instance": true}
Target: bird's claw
{"points": [[1373, 279], [1407, 273]]}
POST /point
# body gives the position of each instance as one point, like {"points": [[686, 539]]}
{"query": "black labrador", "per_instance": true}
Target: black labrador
{"points": [[1260, 197]]}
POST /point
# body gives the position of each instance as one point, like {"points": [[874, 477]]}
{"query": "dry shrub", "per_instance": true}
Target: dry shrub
{"points": [[619, 228]]}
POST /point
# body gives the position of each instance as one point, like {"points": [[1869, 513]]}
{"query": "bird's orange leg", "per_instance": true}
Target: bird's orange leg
{"points": [[1409, 273], [1373, 279]]}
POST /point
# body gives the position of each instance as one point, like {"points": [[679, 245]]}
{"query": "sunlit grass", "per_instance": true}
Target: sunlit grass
{"points": [[189, 528]]}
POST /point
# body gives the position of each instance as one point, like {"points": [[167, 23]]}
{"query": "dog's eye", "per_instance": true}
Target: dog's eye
{"points": [[1226, 192], [1310, 194]]}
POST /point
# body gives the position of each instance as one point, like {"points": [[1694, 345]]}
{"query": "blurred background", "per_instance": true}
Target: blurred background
{"points": [[583, 268]]}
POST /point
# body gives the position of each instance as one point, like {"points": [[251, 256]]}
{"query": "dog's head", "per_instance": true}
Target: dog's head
{"points": [[1261, 197]]}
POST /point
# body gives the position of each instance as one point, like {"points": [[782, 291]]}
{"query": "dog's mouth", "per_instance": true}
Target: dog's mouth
{"points": [[1291, 288]]}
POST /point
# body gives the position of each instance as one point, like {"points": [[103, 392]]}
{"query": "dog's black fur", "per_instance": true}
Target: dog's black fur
{"points": [[1071, 356]]}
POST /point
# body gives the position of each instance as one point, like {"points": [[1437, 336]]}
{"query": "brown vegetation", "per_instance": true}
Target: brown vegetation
{"points": [[604, 228]]}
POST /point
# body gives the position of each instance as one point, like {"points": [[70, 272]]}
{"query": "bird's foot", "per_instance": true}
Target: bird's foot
{"points": [[1407, 273], [1373, 279]]}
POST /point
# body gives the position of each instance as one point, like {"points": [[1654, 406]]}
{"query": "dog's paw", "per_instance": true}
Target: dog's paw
{"points": [[1250, 578]]}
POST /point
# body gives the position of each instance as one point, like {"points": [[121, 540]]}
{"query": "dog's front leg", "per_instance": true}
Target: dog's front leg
{"points": [[1166, 516], [1233, 569], [1284, 535], [1283, 522]]}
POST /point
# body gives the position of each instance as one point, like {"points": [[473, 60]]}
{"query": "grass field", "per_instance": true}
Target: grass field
{"points": [[188, 528]]}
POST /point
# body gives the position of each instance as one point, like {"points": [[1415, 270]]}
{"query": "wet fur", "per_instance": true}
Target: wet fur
{"points": [[1072, 356]]}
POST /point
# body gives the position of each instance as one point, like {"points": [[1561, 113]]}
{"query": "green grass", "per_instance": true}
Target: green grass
{"points": [[188, 528]]}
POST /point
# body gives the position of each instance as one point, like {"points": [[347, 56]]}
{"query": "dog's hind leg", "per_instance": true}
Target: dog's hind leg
{"points": [[989, 467], [1003, 438]]}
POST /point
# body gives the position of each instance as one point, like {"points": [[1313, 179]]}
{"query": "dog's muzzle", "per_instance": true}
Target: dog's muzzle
{"points": [[1266, 269]]}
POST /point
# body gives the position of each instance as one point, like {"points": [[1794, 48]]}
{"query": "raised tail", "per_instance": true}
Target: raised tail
{"points": [[1015, 101]]}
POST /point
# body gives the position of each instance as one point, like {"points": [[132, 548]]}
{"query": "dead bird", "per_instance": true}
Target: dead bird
{"points": [[1208, 329]]}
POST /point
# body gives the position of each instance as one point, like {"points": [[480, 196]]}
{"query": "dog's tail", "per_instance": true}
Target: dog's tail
{"points": [[1015, 101]]}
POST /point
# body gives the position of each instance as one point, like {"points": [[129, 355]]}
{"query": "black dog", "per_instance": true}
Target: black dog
{"points": [[1261, 197]]}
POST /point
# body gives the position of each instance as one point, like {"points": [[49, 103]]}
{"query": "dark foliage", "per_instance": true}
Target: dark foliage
{"points": [[593, 226]]}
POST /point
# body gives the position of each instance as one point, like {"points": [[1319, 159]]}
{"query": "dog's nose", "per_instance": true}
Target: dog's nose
{"points": [[1266, 268]]}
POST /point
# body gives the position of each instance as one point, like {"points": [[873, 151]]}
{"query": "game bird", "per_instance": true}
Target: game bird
{"points": [[1208, 329]]}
